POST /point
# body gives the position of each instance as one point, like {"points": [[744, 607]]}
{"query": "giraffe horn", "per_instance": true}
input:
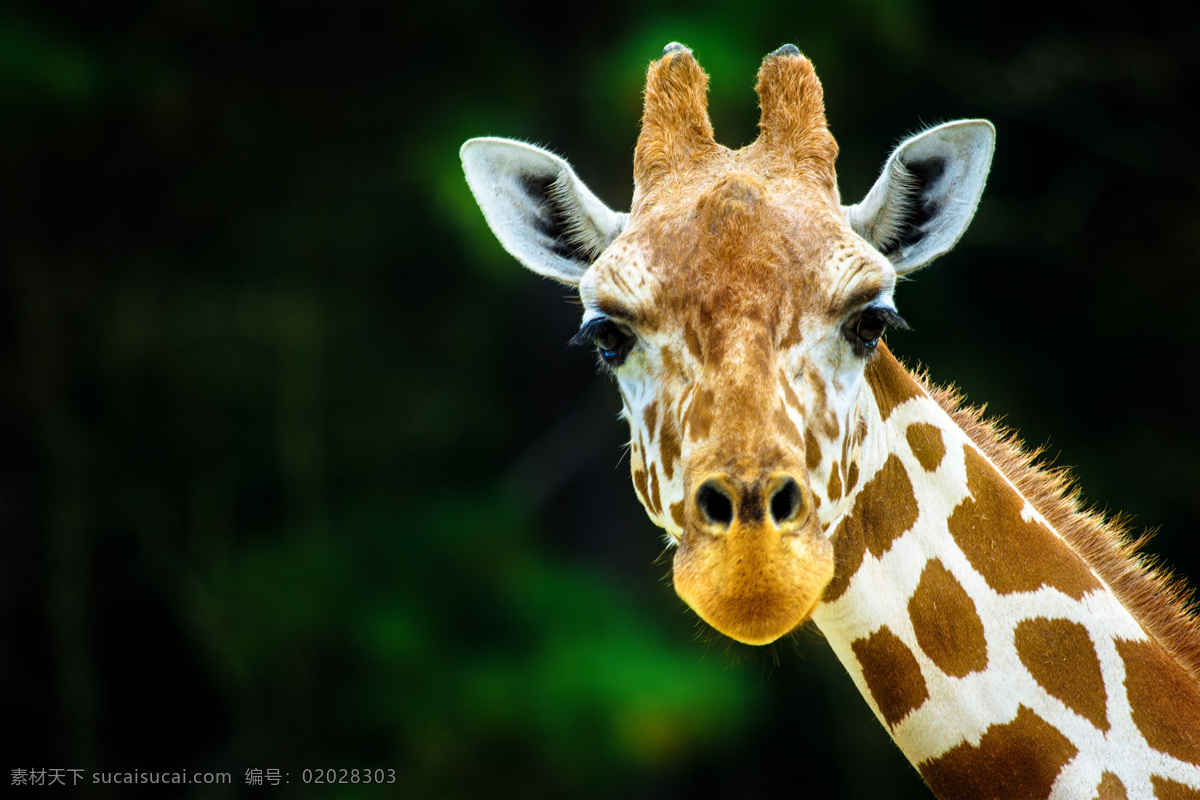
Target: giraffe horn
{"points": [[792, 123], [675, 125]]}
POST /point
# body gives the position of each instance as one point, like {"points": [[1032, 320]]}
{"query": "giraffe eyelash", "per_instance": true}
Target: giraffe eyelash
{"points": [[864, 330], [612, 341]]}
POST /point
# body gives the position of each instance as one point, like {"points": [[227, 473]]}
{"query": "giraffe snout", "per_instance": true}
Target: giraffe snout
{"points": [[752, 562]]}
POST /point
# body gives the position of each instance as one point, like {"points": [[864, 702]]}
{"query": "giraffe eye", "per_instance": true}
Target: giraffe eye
{"points": [[871, 326], [612, 340], [863, 332]]}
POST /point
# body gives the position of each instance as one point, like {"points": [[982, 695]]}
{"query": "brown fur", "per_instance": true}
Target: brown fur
{"points": [[792, 124], [926, 443], [1110, 788], [1011, 553], [1021, 758], [1162, 605], [892, 674], [1060, 656], [884, 509], [1157, 697], [946, 622], [675, 126], [1167, 789]]}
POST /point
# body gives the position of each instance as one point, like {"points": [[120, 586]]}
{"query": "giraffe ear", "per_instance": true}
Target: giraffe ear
{"points": [[927, 193], [543, 215]]}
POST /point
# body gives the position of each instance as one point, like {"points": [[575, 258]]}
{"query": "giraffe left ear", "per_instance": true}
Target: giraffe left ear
{"points": [[927, 193]]}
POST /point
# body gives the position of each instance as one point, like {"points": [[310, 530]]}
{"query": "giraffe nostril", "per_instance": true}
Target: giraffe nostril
{"points": [[785, 501], [714, 503]]}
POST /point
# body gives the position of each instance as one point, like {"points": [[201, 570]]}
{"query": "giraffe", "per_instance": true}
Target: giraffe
{"points": [[1012, 643]]}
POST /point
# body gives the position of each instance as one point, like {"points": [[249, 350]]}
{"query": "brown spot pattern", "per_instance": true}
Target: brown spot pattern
{"points": [[1060, 656], [1110, 788], [787, 428], [884, 509], [698, 420], [789, 394], [669, 447], [655, 498], [892, 674], [1011, 554], [1167, 789], [1164, 701], [890, 506], [817, 381], [832, 428], [845, 449], [925, 441], [671, 366], [677, 513], [1019, 759], [812, 450], [639, 483], [793, 336], [890, 384], [715, 345], [851, 477], [946, 623], [692, 340], [650, 417], [834, 489]]}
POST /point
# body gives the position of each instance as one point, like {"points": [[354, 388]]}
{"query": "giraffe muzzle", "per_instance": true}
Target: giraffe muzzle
{"points": [[753, 561]]}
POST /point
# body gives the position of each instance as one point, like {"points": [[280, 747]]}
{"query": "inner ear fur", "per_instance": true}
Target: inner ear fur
{"points": [[541, 212], [927, 193]]}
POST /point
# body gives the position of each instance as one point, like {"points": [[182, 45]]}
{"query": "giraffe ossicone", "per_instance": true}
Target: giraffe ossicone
{"points": [[1010, 642]]}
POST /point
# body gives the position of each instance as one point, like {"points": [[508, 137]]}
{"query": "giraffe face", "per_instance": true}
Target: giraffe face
{"points": [[733, 319], [737, 305]]}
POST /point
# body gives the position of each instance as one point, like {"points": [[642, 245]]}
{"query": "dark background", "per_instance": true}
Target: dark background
{"points": [[298, 471]]}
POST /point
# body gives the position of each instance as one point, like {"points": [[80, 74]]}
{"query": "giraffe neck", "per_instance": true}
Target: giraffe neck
{"points": [[994, 654]]}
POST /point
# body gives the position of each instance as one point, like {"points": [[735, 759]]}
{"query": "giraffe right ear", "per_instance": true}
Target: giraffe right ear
{"points": [[928, 191], [541, 212]]}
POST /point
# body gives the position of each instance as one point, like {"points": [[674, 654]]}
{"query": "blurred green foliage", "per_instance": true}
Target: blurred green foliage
{"points": [[297, 469]]}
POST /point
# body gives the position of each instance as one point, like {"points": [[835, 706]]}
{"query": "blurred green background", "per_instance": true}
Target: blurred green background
{"points": [[298, 471]]}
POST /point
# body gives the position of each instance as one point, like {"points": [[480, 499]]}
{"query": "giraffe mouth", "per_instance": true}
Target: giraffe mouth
{"points": [[752, 583]]}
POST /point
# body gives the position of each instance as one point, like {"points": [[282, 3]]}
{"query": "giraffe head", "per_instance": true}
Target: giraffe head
{"points": [[737, 305]]}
